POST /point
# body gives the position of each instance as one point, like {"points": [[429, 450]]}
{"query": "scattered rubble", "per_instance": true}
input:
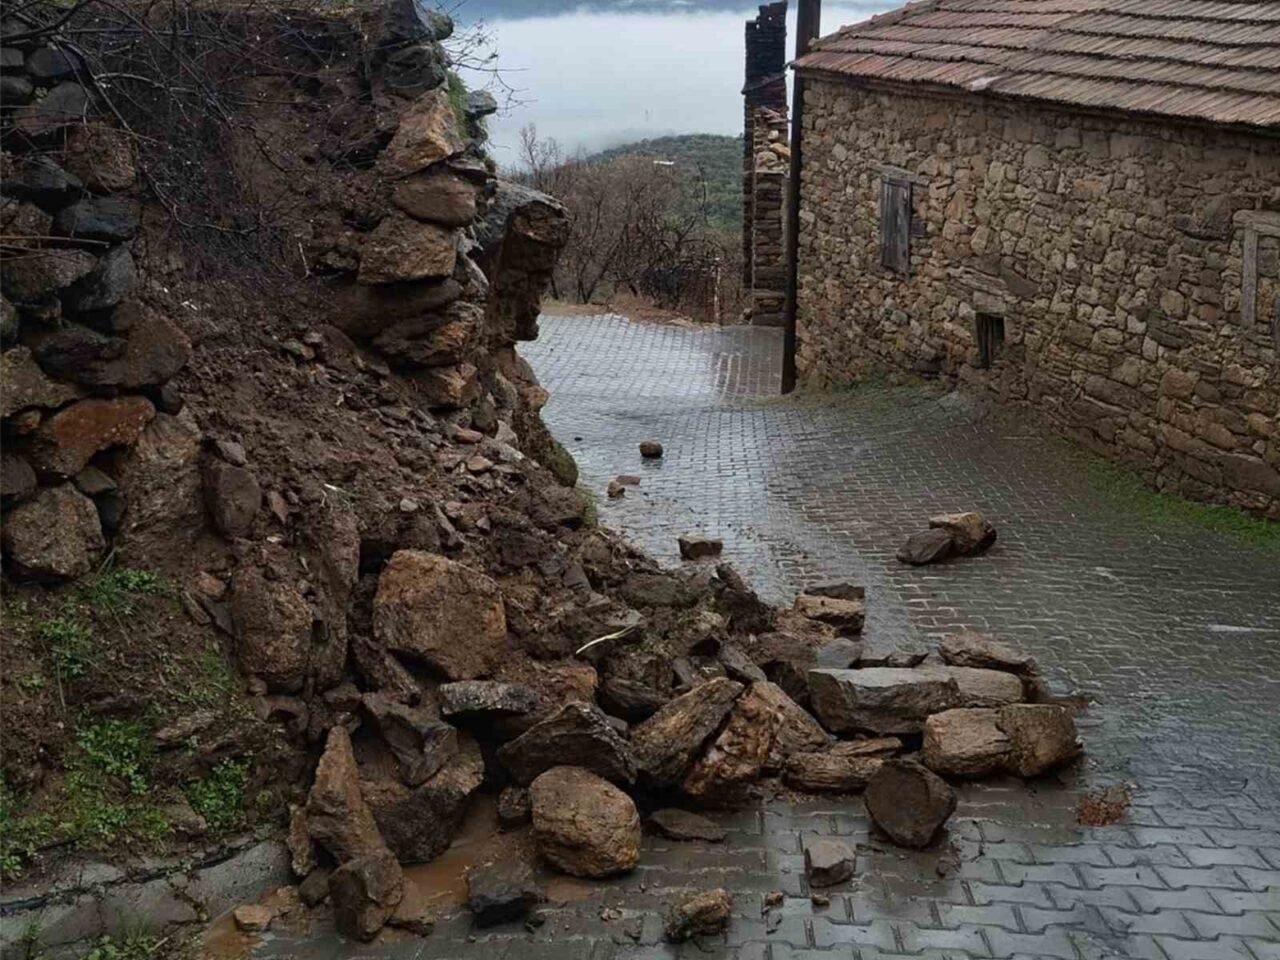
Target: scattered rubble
{"points": [[949, 535]]}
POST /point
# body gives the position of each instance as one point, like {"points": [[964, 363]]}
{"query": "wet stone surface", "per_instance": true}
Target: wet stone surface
{"points": [[1174, 631]]}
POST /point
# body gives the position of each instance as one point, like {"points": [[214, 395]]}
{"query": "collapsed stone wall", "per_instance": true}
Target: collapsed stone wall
{"points": [[1114, 259]]}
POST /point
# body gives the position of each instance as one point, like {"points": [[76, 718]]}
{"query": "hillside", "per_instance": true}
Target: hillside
{"points": [[718, 157]]}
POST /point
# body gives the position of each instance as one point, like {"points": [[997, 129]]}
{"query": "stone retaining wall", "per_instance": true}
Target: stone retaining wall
{"points": [[1112, 253]]}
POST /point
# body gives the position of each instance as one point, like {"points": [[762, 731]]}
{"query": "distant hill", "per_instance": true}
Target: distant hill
{"points": [[718, 157]]}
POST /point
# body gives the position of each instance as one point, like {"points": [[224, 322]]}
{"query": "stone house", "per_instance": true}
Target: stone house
{"points": [[1075, 203]]}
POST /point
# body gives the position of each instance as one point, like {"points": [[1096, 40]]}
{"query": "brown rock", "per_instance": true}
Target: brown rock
{"points": [[583, 824], [337, 815], [432, 340], [513, 807], [252, 918], [17, 479], [797, 732], [437, 197], [447, 388], [970, 532], [650, 449], [578, 731], [843, 767], [365, 892], [699, 548], [160, 479], [419, 823], [233, 497], [980, 650], [38, 275], [302, 849], [155, 350], [441, 612], [65, 104], [909, 802], [738, 755], [102, 157], [401, 249], [847, 616], [363, 311], [836, 589], [700, 915], [55, 534], [428, 133], [26, 385], [1041, 737], [880, 699], [828, 862], [64, 442], [666, 743], [966, 742]]}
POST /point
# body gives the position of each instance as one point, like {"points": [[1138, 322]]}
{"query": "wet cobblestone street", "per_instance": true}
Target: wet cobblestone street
{"points": [[1173, 630]]}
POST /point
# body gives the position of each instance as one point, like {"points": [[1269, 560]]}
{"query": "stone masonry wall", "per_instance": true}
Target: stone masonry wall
{"points": [[768, 189], [764, 85], [1113, 253]]}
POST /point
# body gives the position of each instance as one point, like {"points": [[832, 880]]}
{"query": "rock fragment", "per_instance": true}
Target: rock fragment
{"points": [[885, 700], [1041, 737], [980, 650], [252, 918], [365, 892], [650, 449], [909, 802], [928, 546], [846, 766], [970, 532], [828, 862], [666, 743], [966, 742], [699, 548], [500, 892], [233, 497], [337, 815], [683, 825], [576, 731], [699, 915]]}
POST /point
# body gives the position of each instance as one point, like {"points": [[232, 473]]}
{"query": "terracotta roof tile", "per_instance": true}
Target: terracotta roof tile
{"points": [[1215, 60]]}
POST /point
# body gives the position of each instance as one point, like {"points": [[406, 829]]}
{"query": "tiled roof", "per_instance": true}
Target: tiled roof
{"points": [[1215, 60]]}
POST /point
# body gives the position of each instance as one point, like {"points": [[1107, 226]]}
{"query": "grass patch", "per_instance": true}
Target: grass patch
{"points": [[457, 90], [68, 645], [219, 797], [118, 748], [1127, 490]]}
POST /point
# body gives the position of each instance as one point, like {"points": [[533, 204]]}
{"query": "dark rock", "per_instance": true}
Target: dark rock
{"points": [[480, 103], [513, 807], [576, 731], [980, 650], [65, 104], [839, 654], [886, 651], [110, 219], [584, 825], [699, 548], [843, 767], [273, 627], [15, 91], [409, 21], [413, 70], [9, 323], [666, 744], [1041, 737], [363, 311], [233, 497], [42, 182], [81, 355], [92, 482], [909, 802], [880, 699], [50, 64], [928, 546], [633, 700], [483, 701], [650, 449], [365, 892], [314, 889], [421, 743], [965, 742], [970, 532], [740, 605], [43, 273], [111, 510], [738, 665], [978, 687], [836, 590], [56, 533], [101, 156], [17, 479], [700, 915], [419, 823], [105, 287], [500, 892], [657, 590], [827, 862], [683, 825]]}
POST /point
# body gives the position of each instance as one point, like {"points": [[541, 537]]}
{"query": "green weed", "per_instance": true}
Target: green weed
{"points": [[458, 99], [133, 946], [116, 590], [67, 639], [219, 797], [118, 748]]}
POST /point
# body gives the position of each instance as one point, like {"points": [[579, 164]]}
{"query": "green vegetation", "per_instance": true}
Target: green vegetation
{"points": [[458, 99], [1128, 491], [719, 160], [219, 797], [118, 748], [66, 641], [133, 946], [590, 509]]}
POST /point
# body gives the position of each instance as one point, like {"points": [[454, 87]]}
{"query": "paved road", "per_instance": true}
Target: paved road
{"points": [[1173, 630]]}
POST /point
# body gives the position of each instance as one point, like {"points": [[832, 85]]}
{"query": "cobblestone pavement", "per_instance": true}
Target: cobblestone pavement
{"points": [[1172, 629]]}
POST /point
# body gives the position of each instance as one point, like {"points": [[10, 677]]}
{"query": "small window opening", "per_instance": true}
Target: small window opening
{"points": [[895, 225], [989, 332]]}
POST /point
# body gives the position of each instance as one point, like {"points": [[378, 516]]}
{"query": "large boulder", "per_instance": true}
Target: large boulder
{"points": [[401, 249], [966, 742], [1041, 737], [970, 649], [419, 823], [440, 612], [428, 133], [978, 687], [110, 219], [365, 892], [576, 731], [843, 767], [584, 825], [337, 816], [66, 441], [56, 533], [887, 700], [273, 629], [797, 731], [970, 532], [437, 197], [666, 743], [103, 288], [421, 742], [738, 755], [26, 385], [431, 340], [909, 802]]}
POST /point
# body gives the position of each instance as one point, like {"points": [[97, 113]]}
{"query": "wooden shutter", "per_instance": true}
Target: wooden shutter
{"points": [[895, 225]]}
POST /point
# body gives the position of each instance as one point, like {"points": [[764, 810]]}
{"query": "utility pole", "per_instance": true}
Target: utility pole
{"points": [[808, 27]]}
